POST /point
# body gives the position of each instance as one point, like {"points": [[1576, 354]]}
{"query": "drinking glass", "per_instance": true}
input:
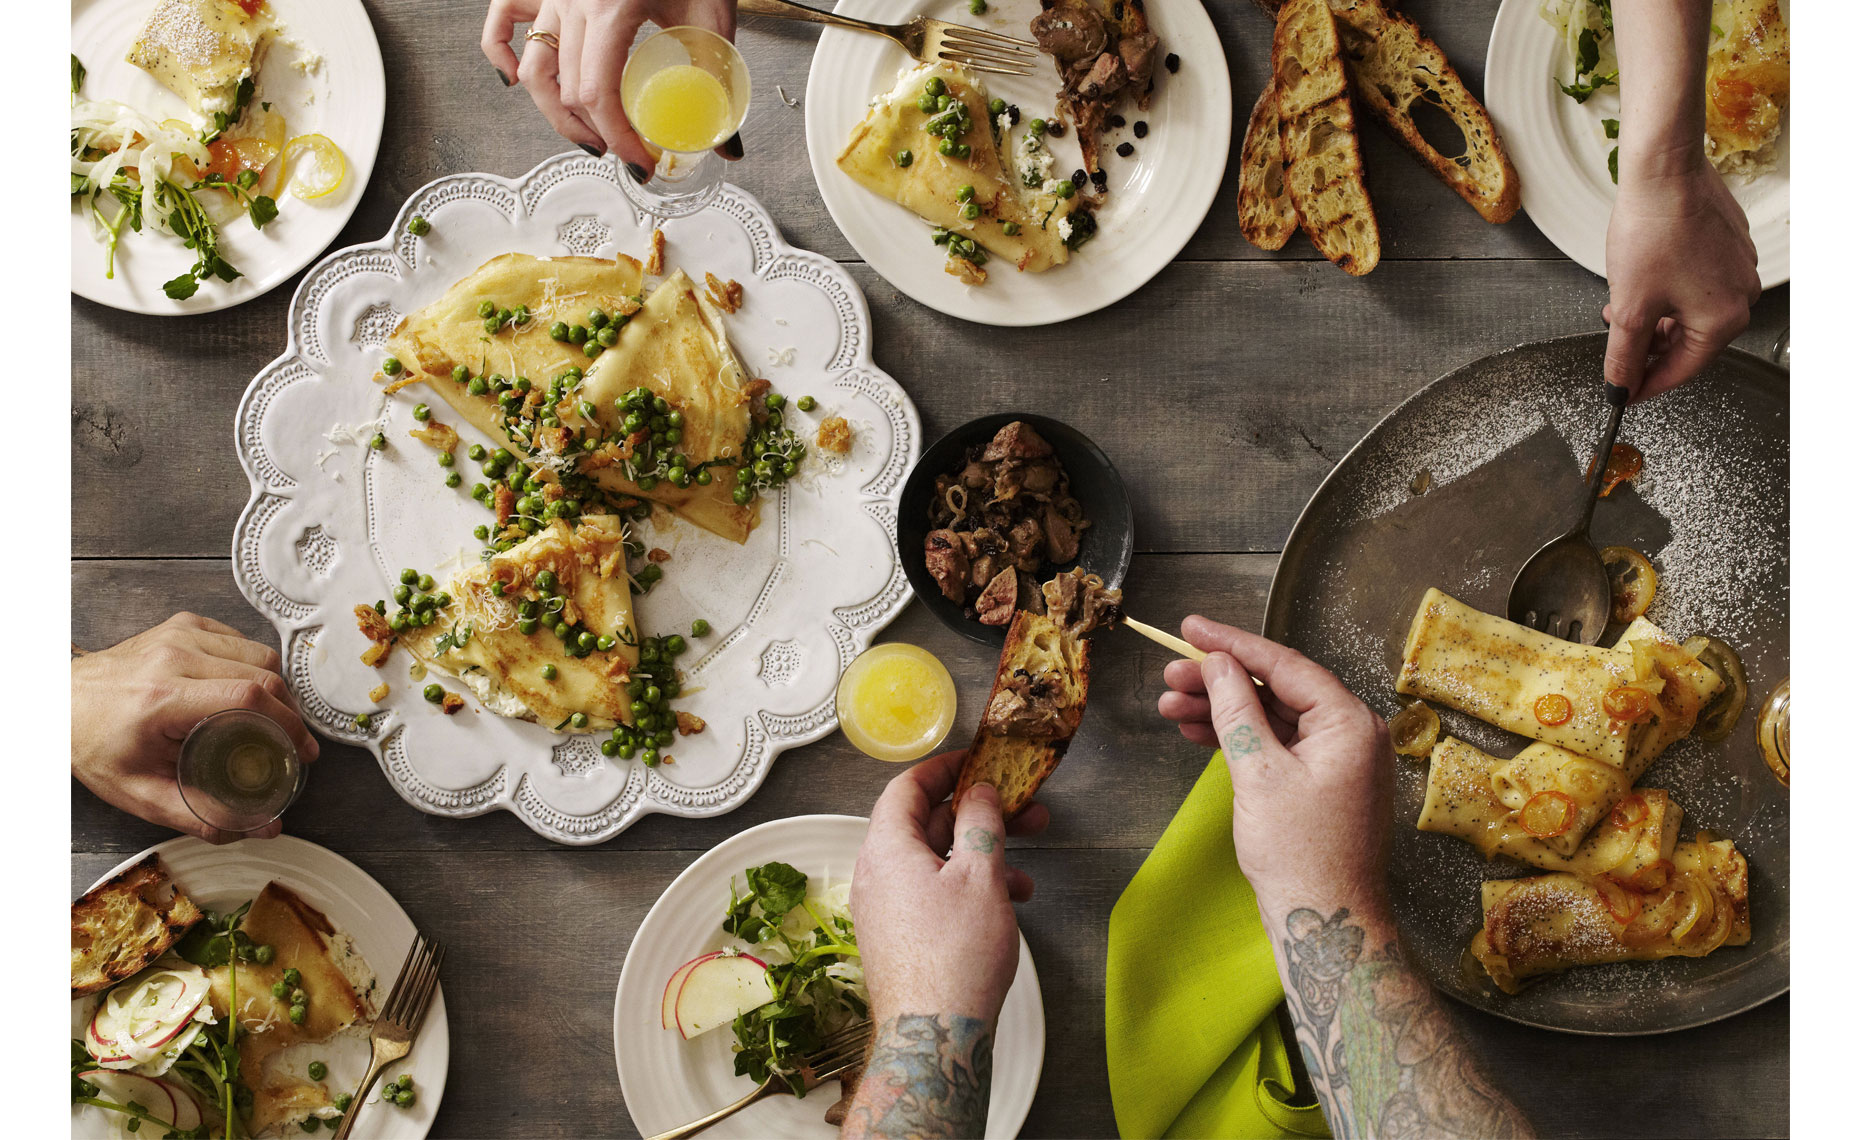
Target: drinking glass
{"points": [[238, 770], [685, 90]]}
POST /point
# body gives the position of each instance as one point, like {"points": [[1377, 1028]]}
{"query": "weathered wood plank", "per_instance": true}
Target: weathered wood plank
{"points": [[541, 991], [1224, 391], [1125, 754]]}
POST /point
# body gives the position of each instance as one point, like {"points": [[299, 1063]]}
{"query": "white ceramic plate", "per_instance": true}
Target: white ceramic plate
{"points": [[330, 523], [222, 878], [1561, 152], [344, 97], [1157, 197], [668, 1081]]}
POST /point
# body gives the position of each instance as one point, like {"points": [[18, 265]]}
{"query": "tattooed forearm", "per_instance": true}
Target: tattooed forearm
{"points": [[928, 1077], [1382, 1055]]}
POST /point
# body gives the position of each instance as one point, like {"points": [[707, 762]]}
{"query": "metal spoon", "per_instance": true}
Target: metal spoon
{"points": [[1563, 589]]}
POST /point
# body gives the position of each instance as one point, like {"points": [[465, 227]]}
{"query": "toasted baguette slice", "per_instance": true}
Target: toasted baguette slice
{"points": [[1015, 747], [1267, 217], [1323, 162], [1392, 66], [121, 926]]}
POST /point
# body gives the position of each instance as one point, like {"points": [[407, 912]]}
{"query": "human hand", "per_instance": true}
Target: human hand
{"points": [[1311, 766], [936, 935], [1682, 276], [576, 85], [134, 703]]}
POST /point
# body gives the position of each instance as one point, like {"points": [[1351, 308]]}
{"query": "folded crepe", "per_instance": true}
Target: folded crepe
{"points": [[1482, 799], [477, 639], [672, 343], [1497, 670], [1547, 923], [928, 186], [301, 938]]}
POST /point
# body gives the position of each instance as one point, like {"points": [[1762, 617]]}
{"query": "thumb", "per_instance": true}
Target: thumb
{"points": [[1233, 707], [980, 840], [1629, 338]]}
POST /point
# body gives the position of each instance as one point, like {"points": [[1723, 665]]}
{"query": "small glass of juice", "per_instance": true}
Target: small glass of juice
{"points": [[896, 702], [685, 90], [238, 770]]}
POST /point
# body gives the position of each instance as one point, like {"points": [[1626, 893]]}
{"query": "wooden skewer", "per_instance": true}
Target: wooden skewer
{"points": [[1166, 640], [1171, 642]]}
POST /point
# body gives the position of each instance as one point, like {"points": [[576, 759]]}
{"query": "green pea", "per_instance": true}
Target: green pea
{"points": [[453, 479], [434, 693], [391, 365], [674, 645], [586, 639], [546, 581], [608, 336], [298, 1013], [699, 627], [362, 721], [962, 151], [405, 1098], [650, 757], [935, 86], [309, 1124], [279, 989], [1010, 228], [651, 574], [418, 227], [402, 593], [805, 403], [593, 348], [971, 211], [318, 1070], [478, 387], [487, 308], [577, 333], [343, 1101], [558, 331], [604, 643], [997, 107], [946, 148], [740, 496], [1065, 189], [965, 194], [378, 442], [460, 374], [610, 748], [409, 576], [528, 626], [904, 158], [579, 720], [1036, 127], [422, 413], [424, 582], [491, 325], [398, 623], [943, 102]]}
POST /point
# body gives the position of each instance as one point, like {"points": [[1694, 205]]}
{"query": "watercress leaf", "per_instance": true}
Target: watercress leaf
{"points": [[1588, 52], [77, 73], [779, 888], [1614, 166], [263, 209], [1611, 128]]}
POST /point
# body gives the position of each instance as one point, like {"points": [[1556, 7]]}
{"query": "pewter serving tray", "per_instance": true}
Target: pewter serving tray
{"points": [[1499, 447]]}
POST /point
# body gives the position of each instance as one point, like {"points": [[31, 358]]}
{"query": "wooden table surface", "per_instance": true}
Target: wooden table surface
{"points": [[1224, 390]]}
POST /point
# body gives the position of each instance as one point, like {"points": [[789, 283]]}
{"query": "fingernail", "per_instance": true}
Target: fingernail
{"points": [[502, 76], [593, 150], [640, 174], [734, 147], [985, 795]]}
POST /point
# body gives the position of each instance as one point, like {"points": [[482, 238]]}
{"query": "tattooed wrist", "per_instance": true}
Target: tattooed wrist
{"points": [[1382, 1054], [928, 1076]]}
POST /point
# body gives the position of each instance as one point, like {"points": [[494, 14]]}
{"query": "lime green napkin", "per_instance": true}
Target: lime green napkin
{"points": [[1191, 1037]]}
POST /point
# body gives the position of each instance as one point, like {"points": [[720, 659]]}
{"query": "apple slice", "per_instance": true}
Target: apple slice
{"points": [[122, 1088], [719, 989], [668, 1005]]}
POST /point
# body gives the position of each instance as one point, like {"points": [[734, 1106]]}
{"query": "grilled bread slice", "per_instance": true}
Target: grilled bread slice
{"points": [[1323, 161], [1267, 217], [122, 925], [1393, 66], [1033, 710]]}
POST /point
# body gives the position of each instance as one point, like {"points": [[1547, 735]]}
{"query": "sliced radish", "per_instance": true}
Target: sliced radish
{"points": [[668, 1005], [123, 1088], [720, 989], [187, 1114]]}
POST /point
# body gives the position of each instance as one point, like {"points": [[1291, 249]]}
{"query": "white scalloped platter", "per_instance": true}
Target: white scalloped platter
{"points": [[1157, 196], [329, 522]]}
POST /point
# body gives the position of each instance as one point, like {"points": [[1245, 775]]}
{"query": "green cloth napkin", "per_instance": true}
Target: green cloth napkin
{"points": [[1191, 1034]]}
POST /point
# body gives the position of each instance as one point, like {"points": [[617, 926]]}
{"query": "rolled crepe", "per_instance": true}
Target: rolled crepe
{"points": [[1548, 923], [928, 186], [1497, 670], [1477, 797]]}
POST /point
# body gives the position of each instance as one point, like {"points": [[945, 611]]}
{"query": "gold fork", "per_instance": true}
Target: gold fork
{"points": [[399, 1023], [928, 40], [840, 1051]]}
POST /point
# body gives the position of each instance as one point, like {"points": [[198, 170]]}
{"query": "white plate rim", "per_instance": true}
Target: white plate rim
{"points": [[1090, 286], [647, 791], [1568, 206], [290, 854], [1007, 1109], [360, 153]]}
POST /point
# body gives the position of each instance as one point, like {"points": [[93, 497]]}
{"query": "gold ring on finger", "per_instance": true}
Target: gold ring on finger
{"points": [[547, 39]]}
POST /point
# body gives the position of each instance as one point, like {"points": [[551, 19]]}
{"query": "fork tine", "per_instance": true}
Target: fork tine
{"points": [[965, 32], [398, 989], [985, 55], [429, 984], [986, 68]]}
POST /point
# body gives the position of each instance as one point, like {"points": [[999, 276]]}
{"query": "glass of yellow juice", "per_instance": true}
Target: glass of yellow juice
{"points": [[685, 90], [896, 702]]}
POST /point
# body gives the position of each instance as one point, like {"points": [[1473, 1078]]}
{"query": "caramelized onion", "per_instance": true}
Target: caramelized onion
{"points": [[1718, 718], [1553, 709], [1631, 580], [1547, 815], [1415, 729], [1624, 463], [1624, 905]]}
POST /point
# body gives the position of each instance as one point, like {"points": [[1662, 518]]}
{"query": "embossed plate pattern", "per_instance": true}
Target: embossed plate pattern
{"points": [[330, 520]]}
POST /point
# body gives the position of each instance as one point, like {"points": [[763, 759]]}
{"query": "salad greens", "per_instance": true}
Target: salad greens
{"points": [[815, 976], [210, 1063]]}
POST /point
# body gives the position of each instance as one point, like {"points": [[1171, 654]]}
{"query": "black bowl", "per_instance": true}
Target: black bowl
{"points": [[1104, 548]]}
